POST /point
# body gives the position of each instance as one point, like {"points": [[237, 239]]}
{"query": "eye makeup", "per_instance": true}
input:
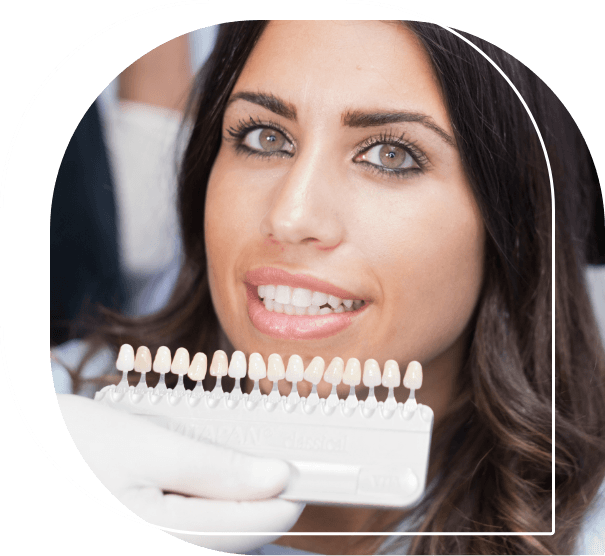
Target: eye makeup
{"points": [[240, 132]]}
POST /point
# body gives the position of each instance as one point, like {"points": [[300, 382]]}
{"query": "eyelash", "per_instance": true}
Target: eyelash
{"points": [[238, 133]]}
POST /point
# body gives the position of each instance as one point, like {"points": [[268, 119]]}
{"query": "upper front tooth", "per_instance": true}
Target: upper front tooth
{"points": [[261, 291], [334, 301], [283, 294], [269, 291], [348, 303], [301, 297], [319, 298]]}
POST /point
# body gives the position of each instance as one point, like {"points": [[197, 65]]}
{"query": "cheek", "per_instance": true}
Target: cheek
{"points": [[430, 257]]}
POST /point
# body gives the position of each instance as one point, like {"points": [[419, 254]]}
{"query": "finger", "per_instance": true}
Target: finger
{"points": [[190, 515], [199, 468], [127, 450]]}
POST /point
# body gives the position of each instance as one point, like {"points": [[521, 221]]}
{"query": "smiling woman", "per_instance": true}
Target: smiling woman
{"points": [[376, 190]]}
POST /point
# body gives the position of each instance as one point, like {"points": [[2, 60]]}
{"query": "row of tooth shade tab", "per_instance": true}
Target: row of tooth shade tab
{"points": [[274, 370]]}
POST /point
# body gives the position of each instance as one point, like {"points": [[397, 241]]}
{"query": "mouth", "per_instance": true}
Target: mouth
{"points": [[299, 307]]}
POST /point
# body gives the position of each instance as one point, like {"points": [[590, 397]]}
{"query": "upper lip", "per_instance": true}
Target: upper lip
{"points": [[277, 276]]}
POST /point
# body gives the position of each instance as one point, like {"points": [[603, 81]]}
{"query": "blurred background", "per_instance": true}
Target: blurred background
{"points": [[114, 227]]}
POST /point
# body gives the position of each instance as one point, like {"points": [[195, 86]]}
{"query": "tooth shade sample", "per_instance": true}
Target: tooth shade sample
{"points": [[301, 297], [334, 301], [315, 370], [334, 372], [197, 369], [371, 373], [180, 363], [391, 377], [220, 364], [269, 291], [352, 374], [261, 291], [348, 303], [296, 370], [237, 367], [125, 360], [257, 368], [275, 368], [283, 294], [413, 376], [162, 361], [142, 362]]}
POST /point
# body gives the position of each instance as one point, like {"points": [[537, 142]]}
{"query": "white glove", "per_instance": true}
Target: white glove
{"points": [[149, 469]]}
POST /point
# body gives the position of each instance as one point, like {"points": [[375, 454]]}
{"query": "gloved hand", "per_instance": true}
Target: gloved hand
{"points": [[179, 483]]}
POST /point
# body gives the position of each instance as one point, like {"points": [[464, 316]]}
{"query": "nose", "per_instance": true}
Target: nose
{"points": [[304, 206]]}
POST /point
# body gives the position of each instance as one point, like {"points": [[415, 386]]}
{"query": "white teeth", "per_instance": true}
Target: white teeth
{"points": [[371, 373], [335, 370], [256, 367], [319, 298], [220, 364], [275, 368], [125, 360], [352, 374], [302, 301], [301, 297], [391, 377], [197, 369], [296, 369], [180, 363], [162, 361], [315, 370], [413, 375], [237, 367], [283, 294]]}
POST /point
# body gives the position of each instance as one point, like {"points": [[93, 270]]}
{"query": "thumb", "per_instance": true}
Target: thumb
{"points": [[200, 468]]}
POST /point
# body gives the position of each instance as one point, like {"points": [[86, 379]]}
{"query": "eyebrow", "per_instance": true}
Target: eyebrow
{"points": [[356, 118], [268, 101], [351, 118]]}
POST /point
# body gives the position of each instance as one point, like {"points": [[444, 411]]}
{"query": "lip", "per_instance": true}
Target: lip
{"points": [[270, 275]]}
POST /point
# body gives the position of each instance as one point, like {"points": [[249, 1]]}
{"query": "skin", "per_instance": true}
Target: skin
{"points": [[411, 245]]}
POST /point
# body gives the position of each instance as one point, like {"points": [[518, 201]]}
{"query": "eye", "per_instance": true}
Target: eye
{"points": [[266, 139], [391, 157]]}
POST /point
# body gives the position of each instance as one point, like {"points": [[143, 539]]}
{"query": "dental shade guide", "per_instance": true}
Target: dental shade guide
{"points": [[343, 452]]}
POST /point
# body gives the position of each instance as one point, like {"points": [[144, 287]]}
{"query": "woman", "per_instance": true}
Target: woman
{"points": [[393, 161]]}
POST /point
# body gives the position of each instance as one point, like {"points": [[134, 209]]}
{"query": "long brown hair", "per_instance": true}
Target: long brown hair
{"points": [[492, 462]]}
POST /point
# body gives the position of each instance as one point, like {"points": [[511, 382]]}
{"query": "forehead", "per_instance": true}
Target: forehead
{"points": [[336, 64]]}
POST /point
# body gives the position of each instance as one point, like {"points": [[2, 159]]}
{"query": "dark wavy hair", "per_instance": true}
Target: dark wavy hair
{"points": [[491, 461]]}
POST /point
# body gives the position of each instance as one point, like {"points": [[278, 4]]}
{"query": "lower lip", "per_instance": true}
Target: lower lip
{"points": [[296, 327]]}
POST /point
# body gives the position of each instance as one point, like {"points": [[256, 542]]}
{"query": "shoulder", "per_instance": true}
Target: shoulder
{"points": [[592, 535]]}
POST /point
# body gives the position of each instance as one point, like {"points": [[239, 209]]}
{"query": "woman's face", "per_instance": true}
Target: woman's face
{"points": [[338, 174]]}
